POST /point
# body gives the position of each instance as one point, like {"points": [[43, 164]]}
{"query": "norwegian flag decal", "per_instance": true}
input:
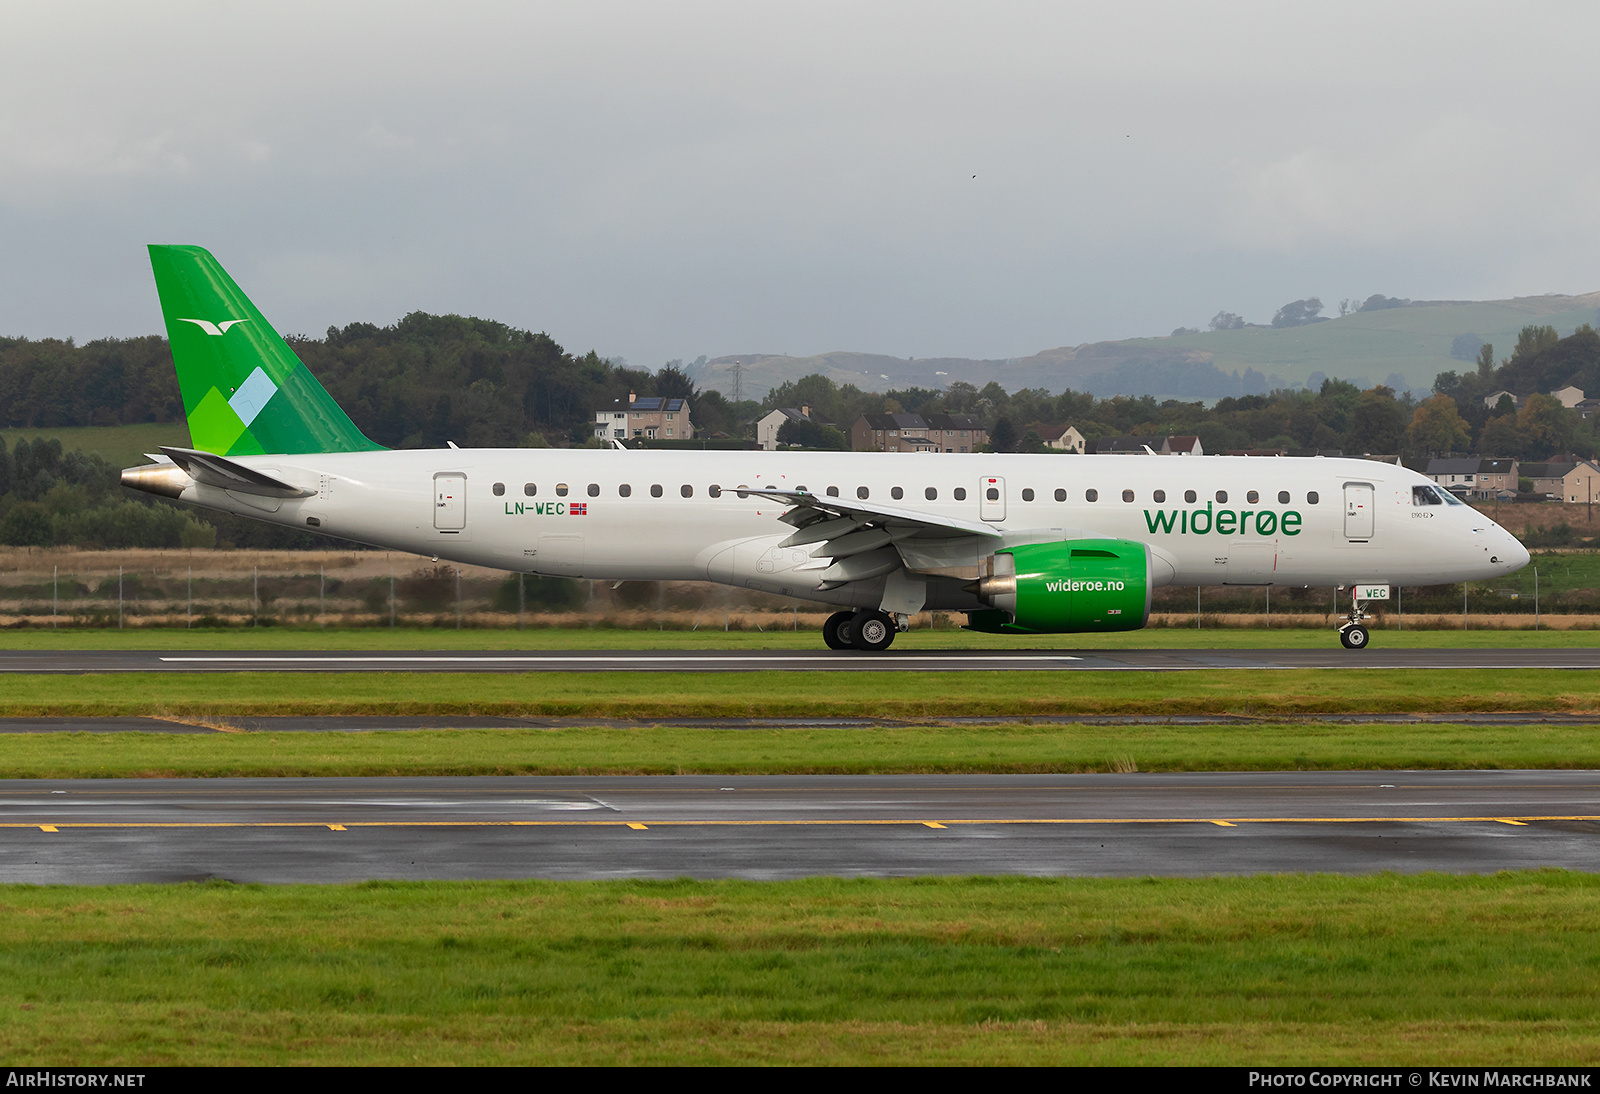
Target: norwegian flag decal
{"points": [[579, 508]]}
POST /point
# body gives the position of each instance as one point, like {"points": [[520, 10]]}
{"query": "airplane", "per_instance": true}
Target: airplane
{"points": [[1022, 544]]}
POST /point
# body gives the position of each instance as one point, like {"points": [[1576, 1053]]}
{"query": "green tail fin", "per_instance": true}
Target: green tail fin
{"points": [[244, 390]]}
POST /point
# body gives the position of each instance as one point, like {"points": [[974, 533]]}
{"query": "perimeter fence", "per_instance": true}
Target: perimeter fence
{"points": [[64, 588]]}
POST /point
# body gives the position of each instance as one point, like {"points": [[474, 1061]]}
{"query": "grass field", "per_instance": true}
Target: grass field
{"points": [[663, 696], [1265, 970], [675, 750]]}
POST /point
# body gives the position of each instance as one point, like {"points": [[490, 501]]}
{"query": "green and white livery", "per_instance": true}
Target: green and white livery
{"points": [[1021, 544]]}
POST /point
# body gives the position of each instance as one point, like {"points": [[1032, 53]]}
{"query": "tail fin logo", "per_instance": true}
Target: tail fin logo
{"points": [[215, 329]]}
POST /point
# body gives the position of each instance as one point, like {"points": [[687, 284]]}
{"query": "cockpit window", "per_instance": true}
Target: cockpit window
{"points": [[1433, 495]]}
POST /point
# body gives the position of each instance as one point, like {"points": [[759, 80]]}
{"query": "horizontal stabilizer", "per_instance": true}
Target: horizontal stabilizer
{"points": [[219, 471]]}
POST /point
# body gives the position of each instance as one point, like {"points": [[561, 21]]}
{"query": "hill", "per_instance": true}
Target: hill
{"points": [[1405, 347]]}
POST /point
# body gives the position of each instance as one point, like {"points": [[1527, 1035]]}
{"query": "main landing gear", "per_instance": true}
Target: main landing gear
{"points": [[870, 631]]}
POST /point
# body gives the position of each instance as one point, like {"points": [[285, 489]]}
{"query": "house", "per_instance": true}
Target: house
{"points": [[1581, 485], [957, 432], [1492, 399], [1483, 478], [651, 418], [1063, 438], [767, 428], [1568, 396], [1547, 477], [915, 433]]}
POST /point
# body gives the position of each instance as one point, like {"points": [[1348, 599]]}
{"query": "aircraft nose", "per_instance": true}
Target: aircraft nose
{"points": [[1514, 554]]}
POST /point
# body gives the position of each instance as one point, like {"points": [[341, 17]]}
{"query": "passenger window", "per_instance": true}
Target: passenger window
{"points": [[1127, 495], [561, 489], [931, 494], [1061, 495], [1188, 496], [1027, 494], [742, 491], [993, 493], [529, 489], [714, 491], [1222, 496], [1311, 498], [1283, 497], [499, 489], [686, 490], [594, 490], [1159, 496], [1252, 497], [896, 493], [655, 491], [960, 493], [624, 491], [861, 492], [833, 491], [1091, 495]]}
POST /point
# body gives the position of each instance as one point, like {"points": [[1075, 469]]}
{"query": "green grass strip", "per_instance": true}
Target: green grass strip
{"points": [[1265, 970], [667, 750], [665, 696]]}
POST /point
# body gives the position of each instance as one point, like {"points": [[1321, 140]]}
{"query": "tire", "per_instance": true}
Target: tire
{"points": [[1354, 637], [836, 631], [872, 631]]}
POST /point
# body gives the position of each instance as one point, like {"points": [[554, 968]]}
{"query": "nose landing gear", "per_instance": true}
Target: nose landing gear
{"points": [[1353, 634]]}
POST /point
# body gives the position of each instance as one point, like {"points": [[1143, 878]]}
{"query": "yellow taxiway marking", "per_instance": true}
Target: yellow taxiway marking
{"points": [[637, 827], [1231, 822]]}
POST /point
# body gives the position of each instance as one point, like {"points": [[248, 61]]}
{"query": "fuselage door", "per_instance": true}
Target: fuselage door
{"points": [[1358, 511], [449, 501], [992, 498]]}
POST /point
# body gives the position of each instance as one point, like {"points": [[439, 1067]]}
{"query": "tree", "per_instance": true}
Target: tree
{"points": [[1298, 313], [1546, 425], [808, 434], [1377, 424], [1501, 437], [673, 383], [1226, 320], [1438, 427], [1003, 437]]}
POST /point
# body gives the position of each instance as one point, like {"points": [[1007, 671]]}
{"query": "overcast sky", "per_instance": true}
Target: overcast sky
{"points": [[659, 180]]}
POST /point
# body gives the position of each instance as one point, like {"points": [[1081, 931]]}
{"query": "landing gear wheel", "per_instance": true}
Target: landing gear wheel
{"points": [[836, 632], [872, 631], [1354, 637]]}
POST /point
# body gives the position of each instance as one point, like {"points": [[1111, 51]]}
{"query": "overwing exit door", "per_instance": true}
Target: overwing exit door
{"points": [[992, 498]]}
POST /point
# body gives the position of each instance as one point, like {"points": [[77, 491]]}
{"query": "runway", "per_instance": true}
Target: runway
{"points": [[772, 827], [1150, 660]]}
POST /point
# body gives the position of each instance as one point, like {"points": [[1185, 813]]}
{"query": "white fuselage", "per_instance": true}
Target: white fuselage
{"points": [[653, 515]]}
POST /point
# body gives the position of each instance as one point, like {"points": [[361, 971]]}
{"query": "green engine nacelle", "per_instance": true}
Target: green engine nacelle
{"points": [[1072, 586]]}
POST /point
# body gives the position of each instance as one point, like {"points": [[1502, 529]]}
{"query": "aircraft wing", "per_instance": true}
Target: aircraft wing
{"points": [[854, 540]]}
